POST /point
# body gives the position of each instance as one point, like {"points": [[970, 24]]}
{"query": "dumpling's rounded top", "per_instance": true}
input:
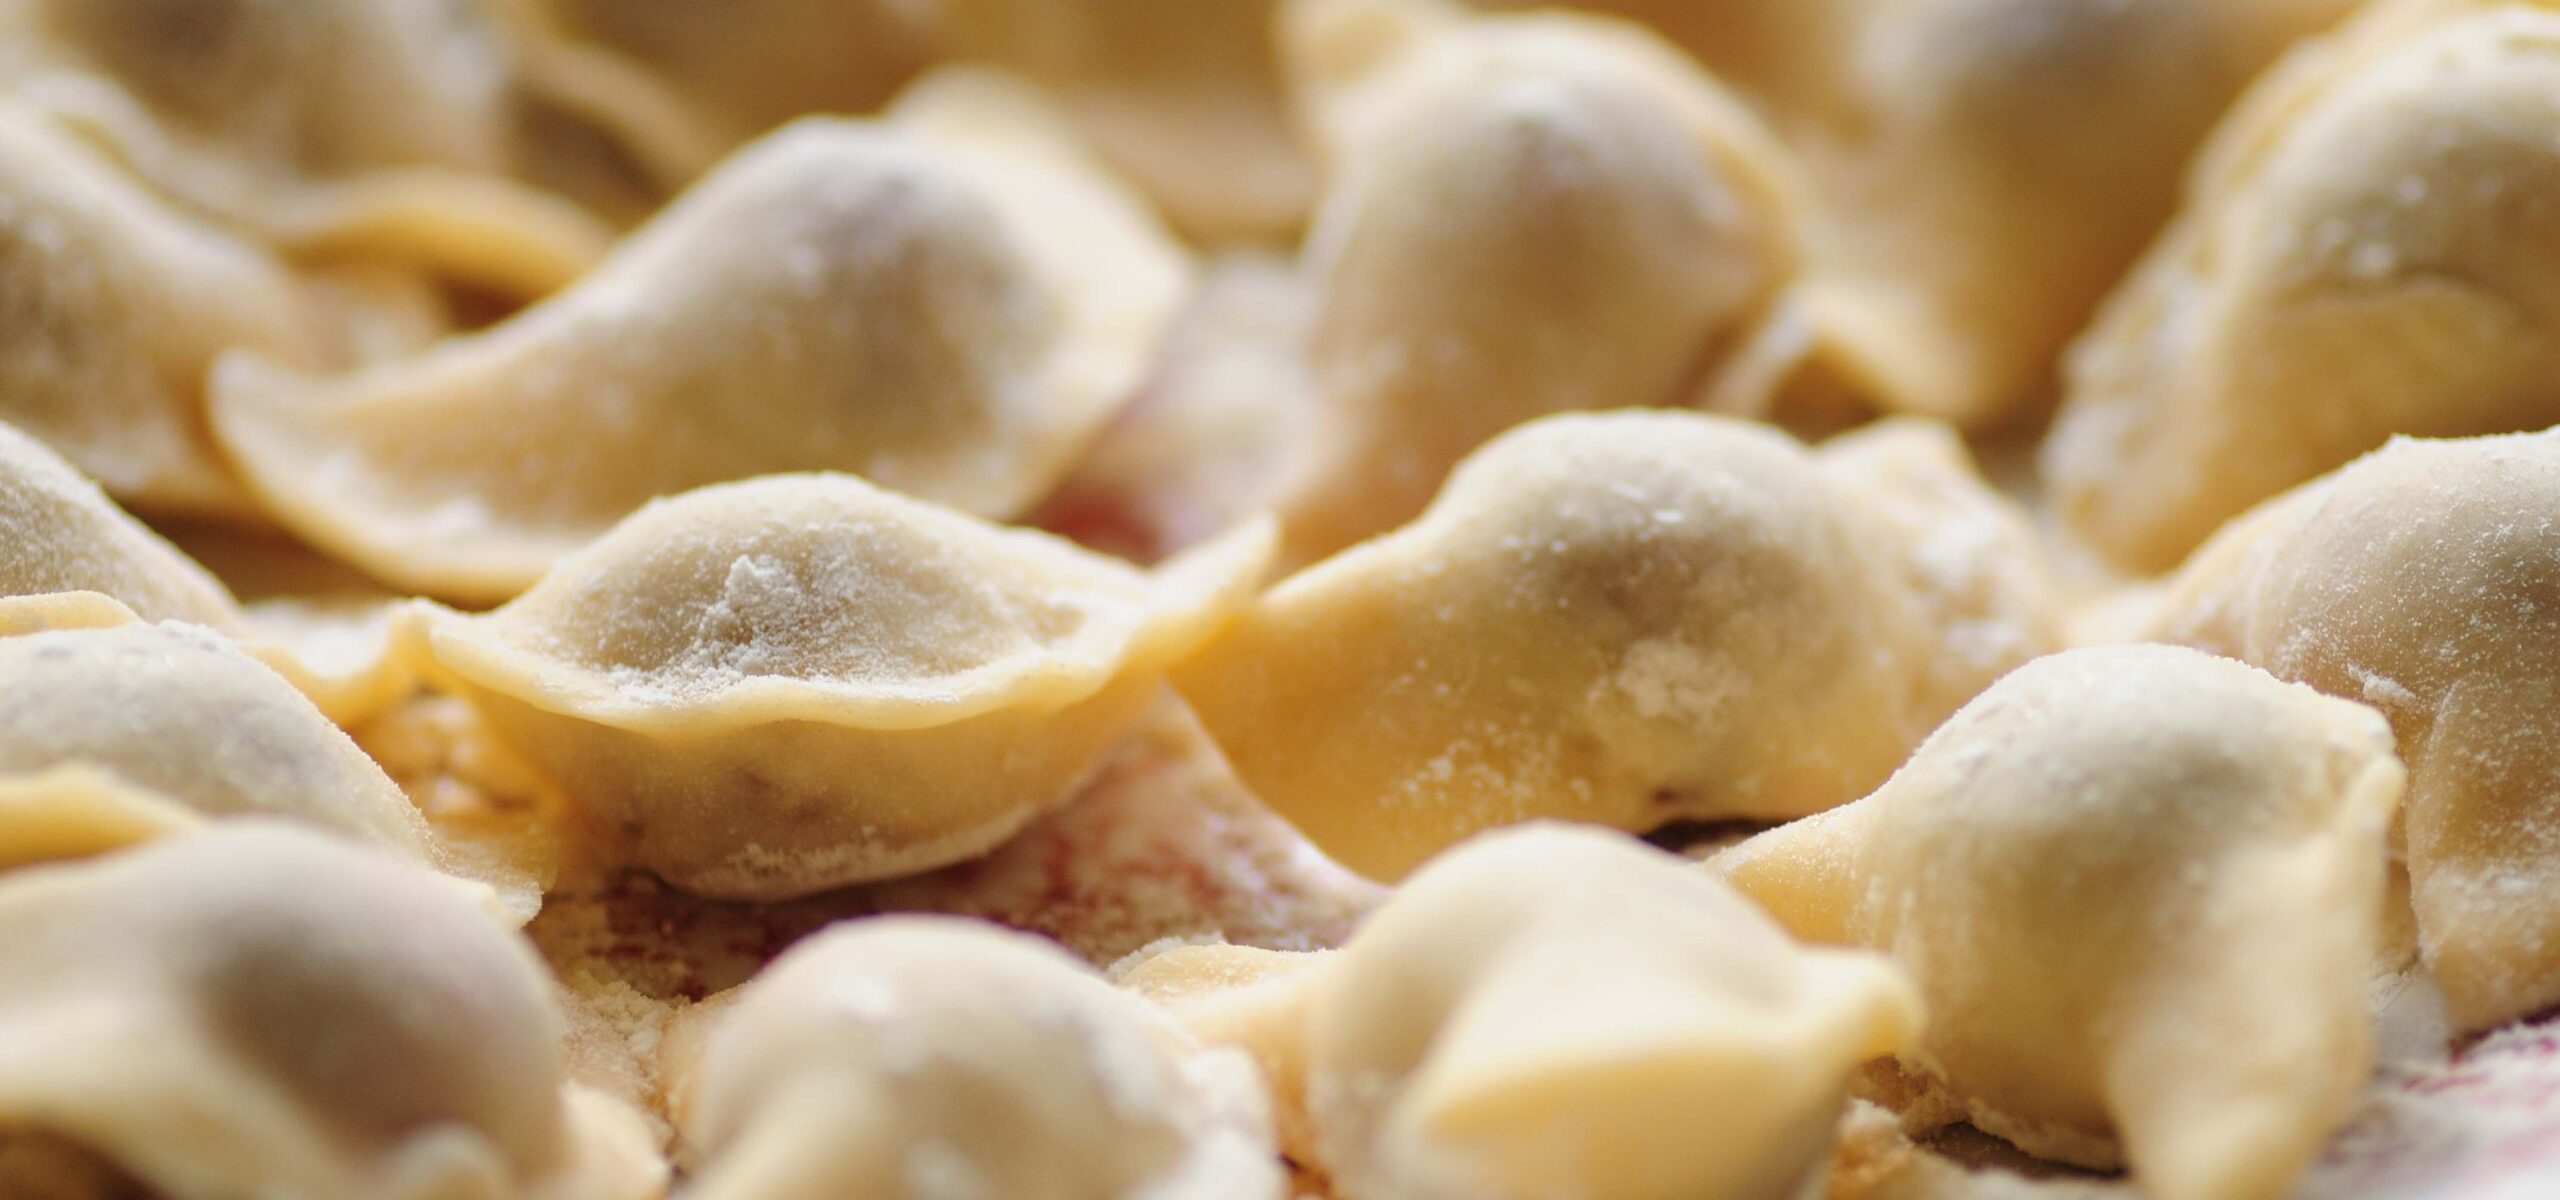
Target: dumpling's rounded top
{"points": [[823, 598], [61, 534], [257, 1010], [891, 1057]]}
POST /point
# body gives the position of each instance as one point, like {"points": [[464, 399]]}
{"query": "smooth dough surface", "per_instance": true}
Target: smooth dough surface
{"points": [[2422, 580], [794, 683], [949, 302], [913, 1058], [2140, 891], [1552, 1011], [2366, 251], [1523, 215], [229, 1013], [1630, 619]]}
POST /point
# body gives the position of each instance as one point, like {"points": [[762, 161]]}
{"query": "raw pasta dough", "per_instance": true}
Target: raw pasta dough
{"points": [[1549, 1011], [257, 1010], [1631, 619], [2423, 580], [950, 302], [1524, 215], [912, 1058], [2139, 889], [785, 685], [2367, 250]]}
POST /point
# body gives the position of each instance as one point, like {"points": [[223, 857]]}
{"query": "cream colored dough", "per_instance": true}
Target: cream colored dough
{"points": [[2422, 580], [1629, 619], [257, 1010], [80, 811], [1185, 96], [1523, 215], [363, 127], [950, 302], [911, 1058], [2140, 891], [775, 687], [1550, 1011], [2365, 251]]}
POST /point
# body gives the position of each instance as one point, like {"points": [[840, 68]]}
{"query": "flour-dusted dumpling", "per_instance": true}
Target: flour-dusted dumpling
{"points": [[681, 82], [950, 303], [2425, 580], [2366, 252], [914, 1058], [118, 306], [182, 712], [1989, 168], [1185, 96], [374, 127], [258, 1011], [784, 685], [2140, 890], [1549, 1011], [1626, 618], [1524, 215]]}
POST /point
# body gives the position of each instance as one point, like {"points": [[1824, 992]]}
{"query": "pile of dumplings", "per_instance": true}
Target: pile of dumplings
{"points": [[1264, 599]]}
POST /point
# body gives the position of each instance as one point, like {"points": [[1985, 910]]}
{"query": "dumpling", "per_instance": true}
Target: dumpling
{"points": [[179, 711], [2140, 890], [911, 1058], [359, 127], [950, 302], [680, 82], [2423, 580], [79, 811], [1991, 167], [789, 684], [1787, 54], [255, 1010], [70, 558], [1549, 1011], [2365, 252], [119, 306], [1185, 96], [1524, 215], [1624, 618]]}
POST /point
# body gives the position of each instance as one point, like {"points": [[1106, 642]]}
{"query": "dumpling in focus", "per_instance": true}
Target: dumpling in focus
{"points": [[2424, 580], [681, 82], [118, 306], [912, 1058], [950, 302], [362, 127], [785, 685], [257, 1011], [182, 712], [2367, 251], [2140, 890], [1524, 215], [1991, 167], [1550, 1011], [1185, 96], [1629, 619]]}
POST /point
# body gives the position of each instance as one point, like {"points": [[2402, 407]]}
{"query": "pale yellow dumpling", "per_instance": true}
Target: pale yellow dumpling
{"points": [[120, 304], [1549, 1011], [1523, 215], [681, 82], [1630, 619], [1186, 96], [950, 303], [2366, 251], [79, 811], [2140, 891], [366, 127], [1787, 54], [2422, 580], [1986, 170], [913, 1058], [256, 1010], [775, 687]]}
